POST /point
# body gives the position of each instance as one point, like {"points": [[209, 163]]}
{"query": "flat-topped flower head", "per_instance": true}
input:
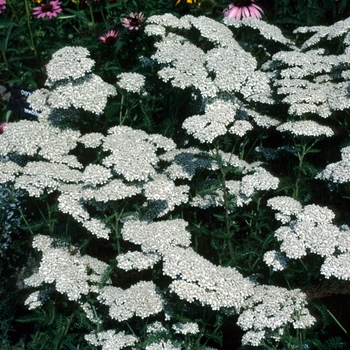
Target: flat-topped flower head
{"points": [[243, 9], [2, 5], [134, 21], [110, 37], [51, 9]]}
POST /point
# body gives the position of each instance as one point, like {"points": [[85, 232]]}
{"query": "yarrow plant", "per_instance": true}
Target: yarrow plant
{"points": [[208, 212]]}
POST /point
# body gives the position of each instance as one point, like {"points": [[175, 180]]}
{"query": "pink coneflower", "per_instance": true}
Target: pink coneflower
{"points": [[51, 9], [133, 21], [2, 126], [110, 37], [2, 5], [243, 9]]}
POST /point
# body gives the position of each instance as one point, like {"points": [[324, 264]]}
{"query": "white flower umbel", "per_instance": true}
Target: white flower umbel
{"points": [[338, 172], [268, 31], [157, 236], [269, 309], [337, 266], [163, 345], [109, 340], [156, 327], [69, 62], [72, 274], [141, 300], [306, 128], [89, 93], [162, 191], [196, 279], [137, 260], [131, 82], [286, 206], [133, 153], [312, 229], [186, 328], [32, 138], [276, 260], [218, 116], [336, 30], [184, 162]]}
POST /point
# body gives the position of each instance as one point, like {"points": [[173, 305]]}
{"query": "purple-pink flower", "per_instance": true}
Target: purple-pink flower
{"points": [[2, 5], [2, 126], [110, 37], [133, 21], [51, 9], [243, 9]]}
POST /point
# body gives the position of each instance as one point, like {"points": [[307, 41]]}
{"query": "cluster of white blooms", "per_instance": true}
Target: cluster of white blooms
{"points": [[338, 172], [210, 72], [69, 62], [141, 299], [89, 93], [336, 30], [276, 260], [131, 82], [268, 31], [72, 274], [306, 128], [38, 298], [197, 279], [286, 207], [184, 162], [32, 138], [311, 230], [71, 87], [218, 116], [163, 345], [133, 153], [186, 328], [109, 340], [156, 327], [269, 309], [137, 260], [157, 236], [162, 190]]}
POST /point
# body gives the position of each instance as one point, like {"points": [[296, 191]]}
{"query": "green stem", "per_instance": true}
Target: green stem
{"points": [[338, 323], [7, 66], [29, 28], [91, 14]]}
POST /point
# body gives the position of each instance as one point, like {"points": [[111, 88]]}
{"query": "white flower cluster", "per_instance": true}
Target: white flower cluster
{"points": [[286, 207], [32, 138], [137, 260], [196, 279], [213, 123], [71, 87], [211, 73], [269, 310], [268, 31], [133, 153], [109, 340], [307, 128], [131, 82], [141, 299], [336, 30], [184, 162], [69, 62], [163, 345], [186, 328], [338, 172], [276, 260], [72, 274]]}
